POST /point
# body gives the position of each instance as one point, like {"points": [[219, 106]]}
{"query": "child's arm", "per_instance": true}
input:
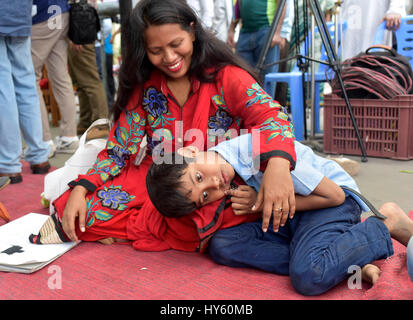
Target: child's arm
{"points": [[326, 194]]}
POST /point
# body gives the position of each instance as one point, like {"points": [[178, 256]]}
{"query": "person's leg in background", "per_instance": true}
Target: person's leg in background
{"points": [[98, 54], [245, 47], [20, 110], [49, 46], [10, 139], [83, 66], [273, 55]]}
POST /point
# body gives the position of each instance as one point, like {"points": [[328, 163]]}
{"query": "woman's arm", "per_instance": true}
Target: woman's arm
{"points": [[121, 149], [243, 98]]}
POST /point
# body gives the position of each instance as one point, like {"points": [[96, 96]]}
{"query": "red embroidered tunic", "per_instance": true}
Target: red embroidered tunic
{"points": [[118, 204]]}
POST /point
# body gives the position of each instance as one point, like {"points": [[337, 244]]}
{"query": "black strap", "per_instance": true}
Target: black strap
{"points": [[367, 202]]}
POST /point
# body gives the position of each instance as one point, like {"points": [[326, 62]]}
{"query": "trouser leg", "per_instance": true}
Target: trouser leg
{"points": [[246, 245], [327, 242]]}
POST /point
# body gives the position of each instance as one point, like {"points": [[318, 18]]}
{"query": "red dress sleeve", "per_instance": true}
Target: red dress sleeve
{"points": [[122, 147], [245, 98]]}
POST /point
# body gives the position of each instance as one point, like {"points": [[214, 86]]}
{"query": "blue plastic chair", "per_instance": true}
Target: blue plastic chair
{"points": [[294, 80], [404, 36]]}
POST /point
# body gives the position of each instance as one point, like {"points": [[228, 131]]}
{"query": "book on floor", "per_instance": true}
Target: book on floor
{"points": [[17, 254]]}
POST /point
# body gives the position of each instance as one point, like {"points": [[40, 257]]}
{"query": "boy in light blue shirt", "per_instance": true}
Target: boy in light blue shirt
{"points": [[316, 247]]}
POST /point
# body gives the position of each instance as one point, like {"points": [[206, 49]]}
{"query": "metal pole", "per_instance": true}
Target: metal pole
{"points": [[270, 35], [125, 7], [313, 93], [332, 57]]}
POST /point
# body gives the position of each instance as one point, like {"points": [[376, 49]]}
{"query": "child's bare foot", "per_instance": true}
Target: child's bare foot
{"points": [[107, 241], [398, 223], [370, 273], [111, 240]]}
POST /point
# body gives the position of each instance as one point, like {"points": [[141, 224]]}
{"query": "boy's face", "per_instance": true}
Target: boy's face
{"points": [[206, 179]]}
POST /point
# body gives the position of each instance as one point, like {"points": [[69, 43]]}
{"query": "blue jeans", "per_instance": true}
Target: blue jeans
{"points": [[315, 248], [409, 254], [249, 47], [19, 106]]}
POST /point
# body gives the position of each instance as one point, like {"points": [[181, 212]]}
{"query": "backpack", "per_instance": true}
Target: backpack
{"points": [[372, 75], [84, 23]]}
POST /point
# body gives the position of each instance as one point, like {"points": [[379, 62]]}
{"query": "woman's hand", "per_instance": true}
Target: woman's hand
{"points": [[75, 208], [243, 199], [276, 195]]}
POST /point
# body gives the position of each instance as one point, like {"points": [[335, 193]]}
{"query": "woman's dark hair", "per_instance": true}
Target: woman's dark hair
{"points": [[164, 186], [209, 51]]}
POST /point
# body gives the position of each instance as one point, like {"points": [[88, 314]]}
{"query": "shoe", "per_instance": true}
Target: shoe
{"points": [[352, 167], [66, 145], [14, 177], [52, 151], [3, 213], [40, 168], [4, 181]]}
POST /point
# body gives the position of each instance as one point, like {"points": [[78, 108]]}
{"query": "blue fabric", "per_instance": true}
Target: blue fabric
{"points": [[315, 248], [108, 45], [19, 106], [249, 47], [409, 254], [49, 8], [15, 18], [309, 170], [107, 34]]}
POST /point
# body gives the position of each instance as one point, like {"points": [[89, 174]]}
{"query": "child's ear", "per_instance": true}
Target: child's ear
{"points": [[188, 152]]}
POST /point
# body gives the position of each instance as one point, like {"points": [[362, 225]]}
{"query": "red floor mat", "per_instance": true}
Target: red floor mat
{"points": [[95, 271]]}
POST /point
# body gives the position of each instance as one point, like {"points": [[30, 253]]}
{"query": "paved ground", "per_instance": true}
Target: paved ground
{"points": [[380, 180]]}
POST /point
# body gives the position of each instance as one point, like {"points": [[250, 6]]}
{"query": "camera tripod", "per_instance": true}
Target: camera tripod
{"points": [[330, 50]]}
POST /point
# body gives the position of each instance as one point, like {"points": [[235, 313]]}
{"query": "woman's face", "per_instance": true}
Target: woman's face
{"points": [[169, 48]]}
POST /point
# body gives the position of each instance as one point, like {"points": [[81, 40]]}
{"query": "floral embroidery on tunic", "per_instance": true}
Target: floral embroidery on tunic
{"points": [[93, 215], [262, 97], [259, 95], [276, 129], [125, 145], [114, 198], [111, 197], [156, 104], [220, 122]]}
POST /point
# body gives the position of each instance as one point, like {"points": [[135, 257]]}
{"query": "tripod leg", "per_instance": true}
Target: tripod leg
{"points": [[270, 35], [332, 57]]}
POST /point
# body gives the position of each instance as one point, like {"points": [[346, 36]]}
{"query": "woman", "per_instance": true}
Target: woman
{"points": [[178, 85]]}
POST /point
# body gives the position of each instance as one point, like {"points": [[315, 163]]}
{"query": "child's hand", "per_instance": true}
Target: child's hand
{"points": [[243, 199]]}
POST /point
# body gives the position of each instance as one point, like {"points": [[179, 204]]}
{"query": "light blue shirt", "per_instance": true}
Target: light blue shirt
{"points": [[308, 173]]}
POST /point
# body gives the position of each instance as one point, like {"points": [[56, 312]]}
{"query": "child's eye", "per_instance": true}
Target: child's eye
{"points": [[205, 195], [198, 177]]}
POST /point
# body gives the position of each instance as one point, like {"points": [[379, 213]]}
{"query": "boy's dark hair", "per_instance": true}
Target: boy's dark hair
{"points": [[163, 185]]}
